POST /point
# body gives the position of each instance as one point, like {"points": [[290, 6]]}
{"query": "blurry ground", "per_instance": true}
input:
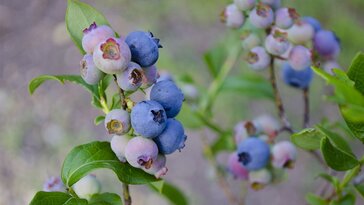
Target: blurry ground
{"points": [[38, 131]]}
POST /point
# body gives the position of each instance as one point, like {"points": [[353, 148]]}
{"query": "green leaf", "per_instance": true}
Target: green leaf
{"points": [[308, 139], [348, 199], [224, 142], [56, 198], [336, 140], [214, 59], [79, 16], [315, 200], [353, 113], [157, 186], [99, 119], [332, 179], [336, 158], [356, 72], [105, 199], [360, 189], [36, 82], [250, 86], [88, 157], [174, 195]]}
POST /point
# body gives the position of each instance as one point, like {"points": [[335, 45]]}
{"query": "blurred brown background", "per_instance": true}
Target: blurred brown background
{"points": [[38, 131]]}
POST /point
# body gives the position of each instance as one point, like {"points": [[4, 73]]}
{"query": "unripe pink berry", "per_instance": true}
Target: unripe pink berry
{"points": [[141, 152], [131, 78], [118, 144], [267, 124], [54, 184], [158, 168], [93, 35], [277, 43], [236, 168], [117, 122], [232, 16], [258, 58], [150, 76], [245, 5], [259, 179], [250, 40], [89, 72], [285, 17], [262, 16], [112, 56], [243, 130], [284, 154], [300, 58], [301, 32]]}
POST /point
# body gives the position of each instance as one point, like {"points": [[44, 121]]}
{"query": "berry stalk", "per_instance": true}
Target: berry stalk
{"points": [[306, 113], [121, 93], [126, 194]]}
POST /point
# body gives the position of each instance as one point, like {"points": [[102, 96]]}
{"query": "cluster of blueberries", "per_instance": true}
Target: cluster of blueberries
{"points": [[258, 158], [149, 132], [288, 38]]}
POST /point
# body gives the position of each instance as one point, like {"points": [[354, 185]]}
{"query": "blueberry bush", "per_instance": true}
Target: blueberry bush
{"points": [[267, 37]]}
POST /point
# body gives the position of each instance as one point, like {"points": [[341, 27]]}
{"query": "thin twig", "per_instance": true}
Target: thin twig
{"points": [[126, 194], [306, 114], [223, 184], [278, 99], [121, 93]]}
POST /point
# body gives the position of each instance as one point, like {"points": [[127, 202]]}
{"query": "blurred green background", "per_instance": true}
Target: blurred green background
{"points": [[38, 131]]}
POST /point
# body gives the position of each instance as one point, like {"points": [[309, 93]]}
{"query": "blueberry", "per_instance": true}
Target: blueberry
{"points": [[253, 153], [169, 96], [94, 35], [326, 43], [299, 57], [150, 76], [117, 122], [284, 154], [313, 22], [54, 184], [144, 47], [267, 124], [331, 64], [148, 118], [190, 92], [232, 16], [158, 168], [141, 152], [277, 43], [285, 17], [236, 168], [262, 16], [300, 33], [89, 72], [250, 40], [131, 78], [87, 186], [245, 5], [260, 178], [275, 4], [172, 138], [299, 79], [243, 130], [112, 56], [118, 144], [258, 58]]}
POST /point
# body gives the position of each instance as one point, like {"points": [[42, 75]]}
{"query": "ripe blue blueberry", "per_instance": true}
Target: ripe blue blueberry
{"points": [[112, 56], [326, 43], [169, 96], [297, 78], [299, 57], [300, 33], [232, 16], [253, 153], [94, 35], [172, 138], [144, 48], [118, 144], [148, 118], [258, 58], [117, 122], [141, 152], [245, 5], [89, 72], [313, 22], [150, 76], [285, 17], [236, 168], [158, 168], [277, 43], [262, 16], [131, 78], [249, 40]]}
